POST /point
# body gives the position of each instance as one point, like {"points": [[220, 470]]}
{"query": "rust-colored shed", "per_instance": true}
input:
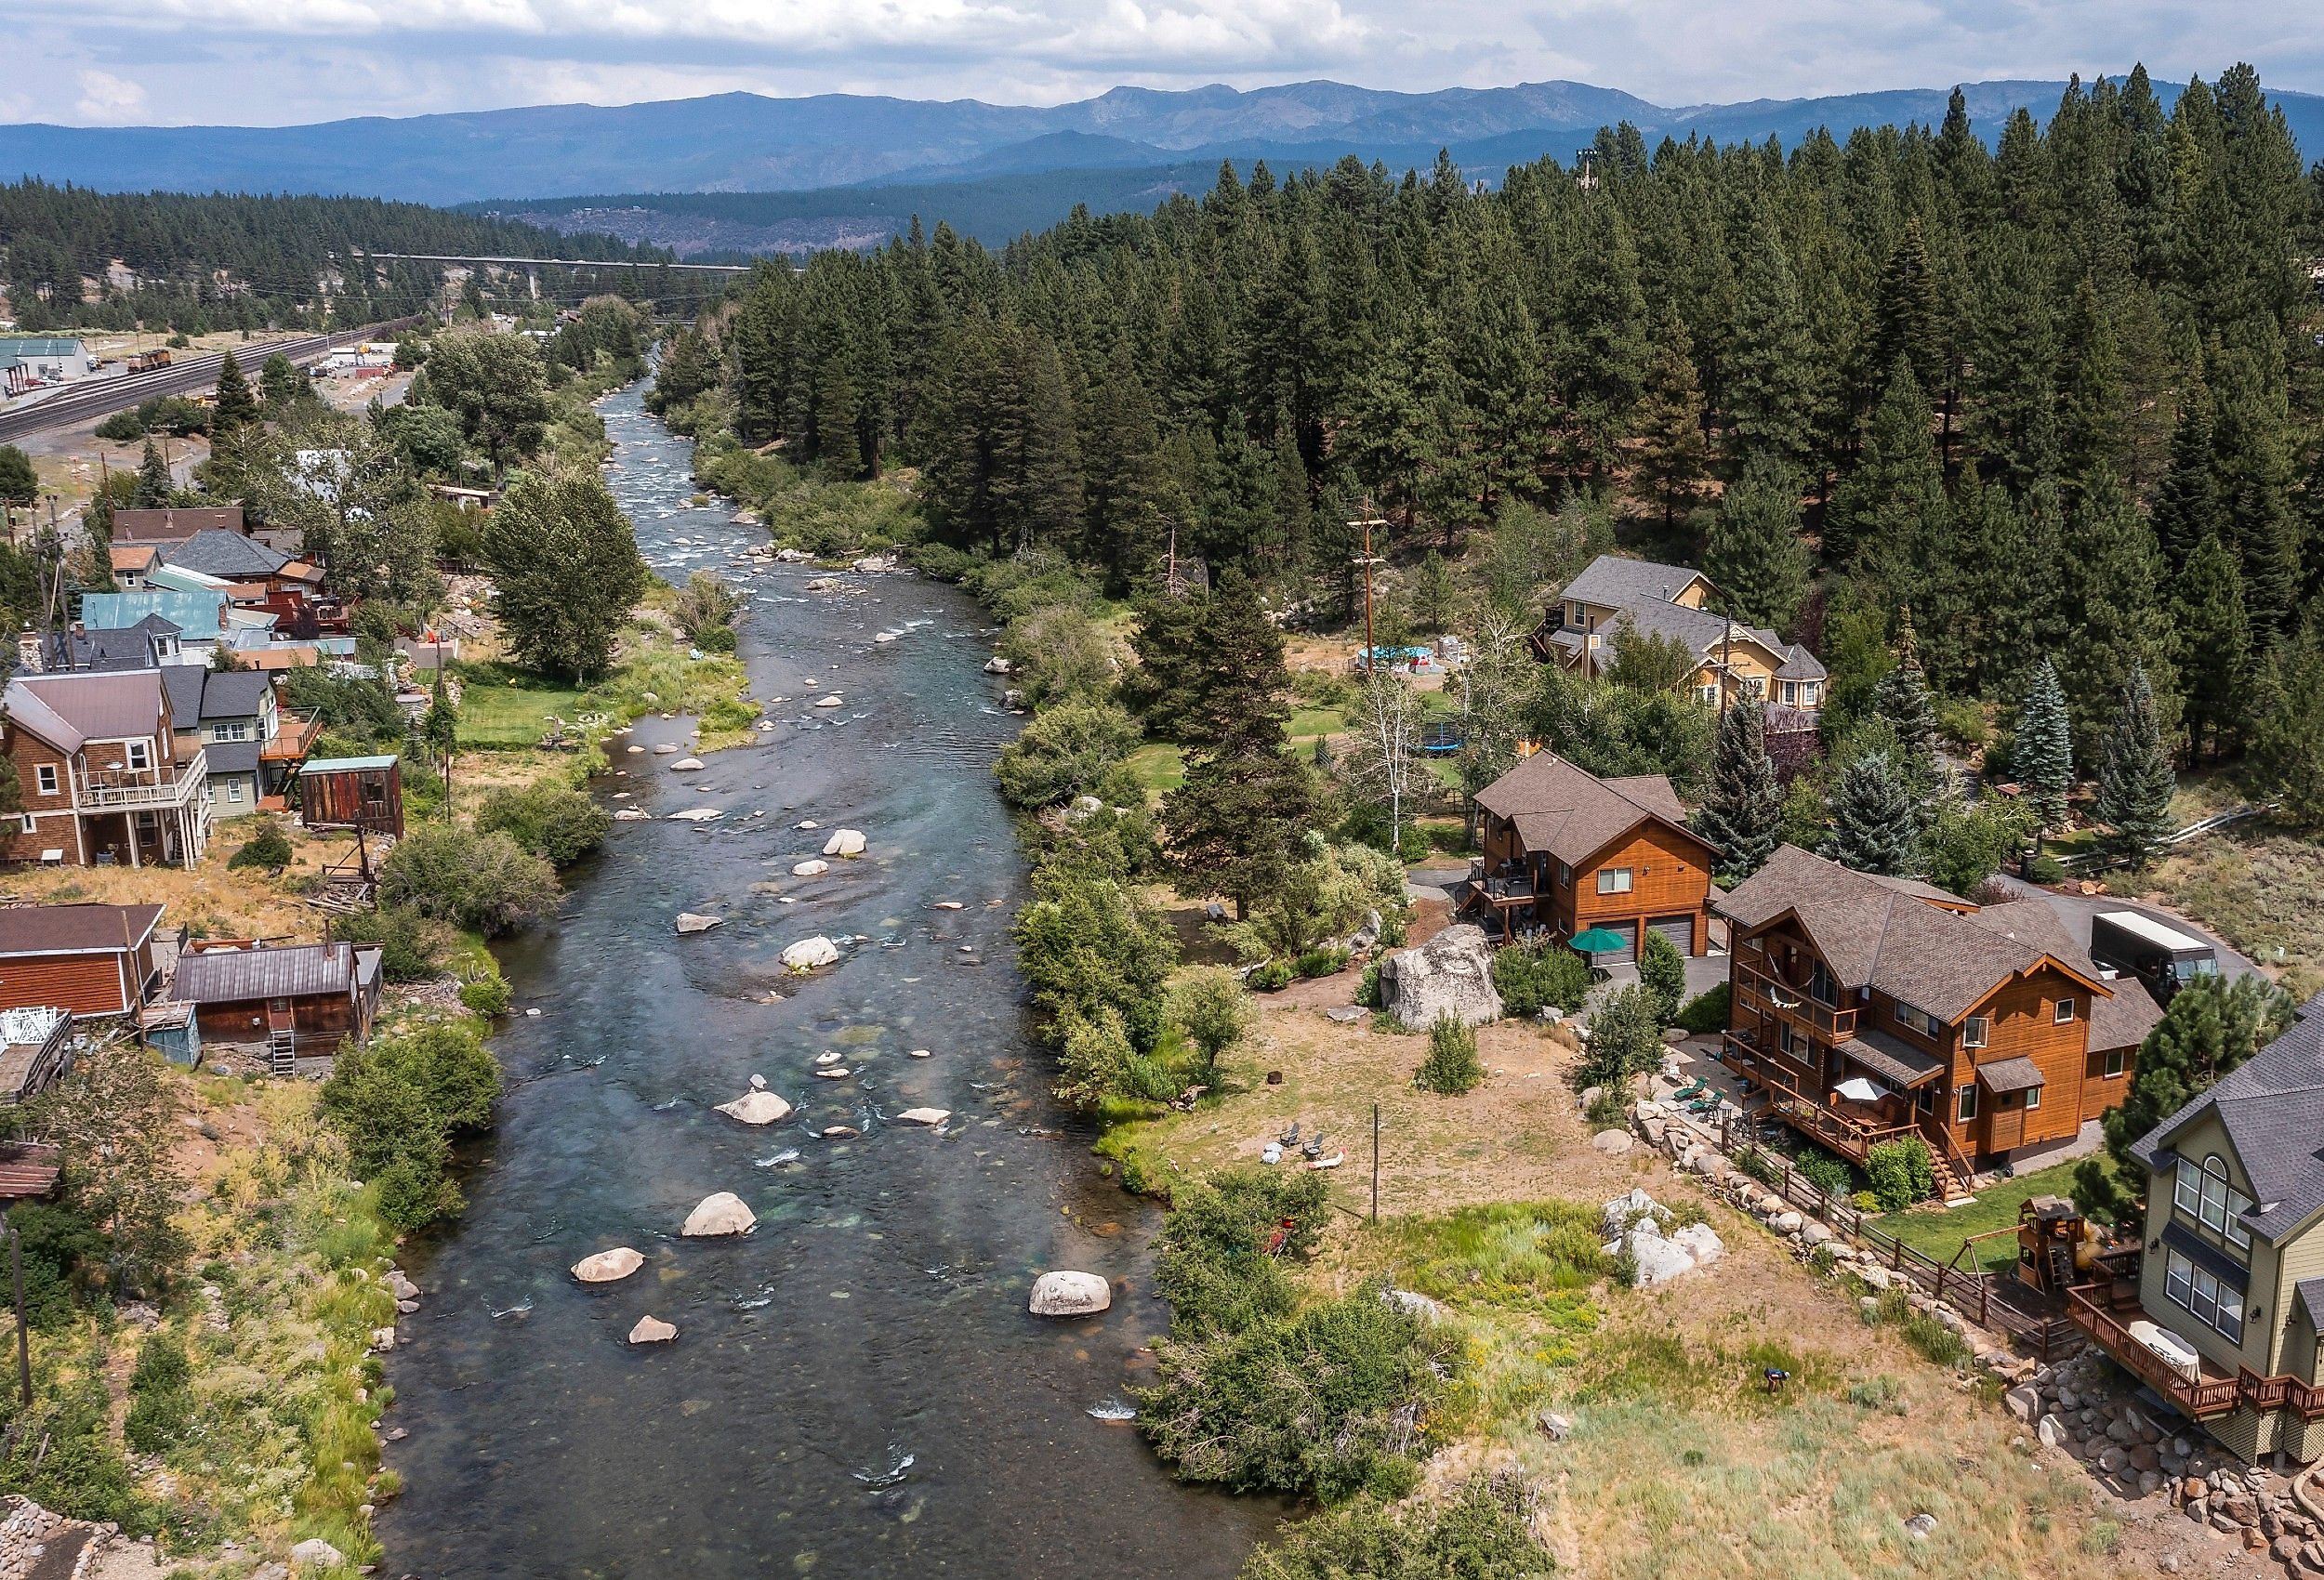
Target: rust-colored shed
{"points": [[366, 793]]}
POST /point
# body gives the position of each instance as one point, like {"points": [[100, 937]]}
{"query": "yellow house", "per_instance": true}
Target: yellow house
{"points": [[1735, 660]]}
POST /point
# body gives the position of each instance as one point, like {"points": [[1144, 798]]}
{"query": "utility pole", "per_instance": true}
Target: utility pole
{"points": [[1375, 1163], [23, 1337], [1367, 521]]}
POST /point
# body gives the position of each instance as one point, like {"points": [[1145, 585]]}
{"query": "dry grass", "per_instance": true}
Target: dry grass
{"points": [[1679, 1462], [213, 901], [2263, 891]]}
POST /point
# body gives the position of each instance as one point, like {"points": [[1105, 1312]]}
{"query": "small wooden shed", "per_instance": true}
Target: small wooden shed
{"points": [[366, 793]]}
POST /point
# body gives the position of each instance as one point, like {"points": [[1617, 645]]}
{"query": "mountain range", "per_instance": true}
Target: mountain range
{"points": [[843, 170]]}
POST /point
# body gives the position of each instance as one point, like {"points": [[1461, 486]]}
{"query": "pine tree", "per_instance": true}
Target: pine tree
{"points": [[2107, 590], [2288, 725], [2136, 781], [2187, 508], [1742, 812], [1881, 509], [2014, 352], [236, 406], [1755, 556], [2251, 457], [1875, 822], [1904, 314], [2093, 409], [2211, 1026], [1770, 387], [1902, 701], [2214, 636], [1671, 461], [153, 484], [2044, 757]]}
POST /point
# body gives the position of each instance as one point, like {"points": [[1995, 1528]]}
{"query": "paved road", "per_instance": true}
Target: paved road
{"points": [[101, 397], [2076, 910]]}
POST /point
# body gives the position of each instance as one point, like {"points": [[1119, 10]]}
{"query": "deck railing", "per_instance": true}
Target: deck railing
{"points": [[1836, 1024], [120, 789], [2201, 1399]]}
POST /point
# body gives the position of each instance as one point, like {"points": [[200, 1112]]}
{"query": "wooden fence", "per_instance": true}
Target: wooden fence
{"points": [[2002, 1304]]}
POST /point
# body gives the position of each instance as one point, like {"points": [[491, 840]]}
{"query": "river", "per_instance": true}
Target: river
{"points": [[877, 1312]]}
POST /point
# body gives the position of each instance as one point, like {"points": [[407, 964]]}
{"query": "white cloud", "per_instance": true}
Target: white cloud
{"points": [[108, 98], [290, 60]]}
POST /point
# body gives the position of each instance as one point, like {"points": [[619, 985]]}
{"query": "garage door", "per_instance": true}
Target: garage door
{"points": [[1678, 930], [1628, 953]]}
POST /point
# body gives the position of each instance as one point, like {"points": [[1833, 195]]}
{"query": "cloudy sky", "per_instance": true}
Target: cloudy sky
{"points": [[280, 61]]}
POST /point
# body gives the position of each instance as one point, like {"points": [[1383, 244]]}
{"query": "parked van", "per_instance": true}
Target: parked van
{"points": [[2158, 954]]}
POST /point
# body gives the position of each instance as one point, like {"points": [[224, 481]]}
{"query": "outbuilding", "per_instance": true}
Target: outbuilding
{"points": [[366, 793], [296, 999], [89, 959]]}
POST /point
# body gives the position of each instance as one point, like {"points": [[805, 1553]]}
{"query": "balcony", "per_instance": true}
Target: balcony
{"points": [[2099, 1311], [139, 789], [293, 738], [1851, 1129], [1832, 1024]]}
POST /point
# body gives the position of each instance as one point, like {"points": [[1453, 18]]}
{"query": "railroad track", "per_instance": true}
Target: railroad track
{"points": [[102, 397]]}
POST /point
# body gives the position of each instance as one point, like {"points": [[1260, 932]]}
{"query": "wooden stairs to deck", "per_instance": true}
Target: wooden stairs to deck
{"points": [[1952, 1188]]}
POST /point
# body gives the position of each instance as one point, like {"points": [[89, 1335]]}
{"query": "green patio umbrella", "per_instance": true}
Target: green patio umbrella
{"points": [[1599, 940]]}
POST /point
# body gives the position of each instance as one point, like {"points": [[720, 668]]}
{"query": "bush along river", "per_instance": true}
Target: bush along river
{"points": [[855, 1387]]}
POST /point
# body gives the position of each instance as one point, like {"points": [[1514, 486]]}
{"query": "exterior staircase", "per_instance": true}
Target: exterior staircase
{"points": [[1952, 1188], [282, 1052]]}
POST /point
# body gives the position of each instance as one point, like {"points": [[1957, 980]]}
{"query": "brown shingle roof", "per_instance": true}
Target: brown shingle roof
{"points": [[69, 929], [174, 523], [1886, 934], [1561, 811], [2121, 1019], [2019, 1074]]}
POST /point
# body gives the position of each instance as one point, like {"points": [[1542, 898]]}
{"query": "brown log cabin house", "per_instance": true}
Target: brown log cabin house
{"points": [[1985, 1031], [102, 776], [1565, 851], [299, 999]]}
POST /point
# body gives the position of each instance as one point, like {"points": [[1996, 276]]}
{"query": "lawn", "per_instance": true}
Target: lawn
{"points": [[1160, 767], [1939, 1233], [501, 706]]}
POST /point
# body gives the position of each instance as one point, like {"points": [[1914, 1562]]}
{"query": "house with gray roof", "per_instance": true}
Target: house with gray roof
{"points": [[1671, 602], [2226, 1317], [234, 718], [1869, 1008], [102, 776]]}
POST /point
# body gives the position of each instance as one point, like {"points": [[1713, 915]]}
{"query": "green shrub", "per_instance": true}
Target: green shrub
{"points": [[1707, 1013], [1089, 942], [481, 880], [1625, 1040], [1215, 1268], [1827, 1173], [1961, 720], [1452, 1066], [1899, 1172], [1208, 1008], [552, 820], [121, 427], [161, 1401], [1662, 972], [489, 996], [1273, 976], [268, 847], [718, 640], [411, 944], [2045, 869], [1864, 1202], [1486, 1533], [1755, 1162], [1532, 976], [1367, 990], [399, 1102], [1063, 753], [1320, 962]]}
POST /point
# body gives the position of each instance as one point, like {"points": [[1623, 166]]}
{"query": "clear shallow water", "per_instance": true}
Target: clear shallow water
{"points": [[877, 1312]]}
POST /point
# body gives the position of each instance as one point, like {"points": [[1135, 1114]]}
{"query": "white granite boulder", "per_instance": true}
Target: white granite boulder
{"points": [[694, 921], [718, 1214], [653, 1330], [809, 953], [844, 842], [1070, 1295], [813, 867], [608, 1266], [757, 1108], [686, 764], [1451, 974]]}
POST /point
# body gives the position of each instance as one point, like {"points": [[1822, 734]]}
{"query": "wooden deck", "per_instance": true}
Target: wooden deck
{"points": [[1850, 1129], [2096, 1311]]}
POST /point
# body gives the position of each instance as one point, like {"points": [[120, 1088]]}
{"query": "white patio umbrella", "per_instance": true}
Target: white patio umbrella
{"points": [[1857, 1089]]}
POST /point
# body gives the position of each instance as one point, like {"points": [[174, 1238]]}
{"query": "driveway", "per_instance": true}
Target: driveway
{"points": [[2076, 910]]}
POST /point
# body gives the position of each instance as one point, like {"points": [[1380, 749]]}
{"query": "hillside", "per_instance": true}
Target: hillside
{"points": [[745, 142]]}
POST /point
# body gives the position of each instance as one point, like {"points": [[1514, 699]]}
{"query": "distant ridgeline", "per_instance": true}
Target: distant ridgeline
{"points": [[2058, 396], [75, 258]]}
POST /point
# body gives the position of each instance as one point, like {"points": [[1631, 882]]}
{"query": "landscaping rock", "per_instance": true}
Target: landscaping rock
{"points": [[1921, 1526], [653, 1330], [814, 867], [844, 842], [608, 1266], [2023, 1402], [1552, 1426], [1700, 1242], [1814, 1233], [719, 1212], [1069, 1294], [1451, 974], [316, 1553], [1614, 1143]]}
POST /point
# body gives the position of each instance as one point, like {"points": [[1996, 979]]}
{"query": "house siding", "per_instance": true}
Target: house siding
{"points": [[2207, 1139], [1670, 872], [2024, 1028], [87, 984]]}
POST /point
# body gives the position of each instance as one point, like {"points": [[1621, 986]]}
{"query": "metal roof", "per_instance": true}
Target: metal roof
{"points": [[199, 614], [116, 705], [298, 970], [74, 930], [344, 764]]}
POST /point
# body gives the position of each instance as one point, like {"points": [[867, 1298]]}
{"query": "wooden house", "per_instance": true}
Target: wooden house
{"points": [[366, 793], [2224, 1313], [35, 1051], [1987, 1033], [1565, 851], [89, 959], [101, 774], [174, 523], [291, 999]]}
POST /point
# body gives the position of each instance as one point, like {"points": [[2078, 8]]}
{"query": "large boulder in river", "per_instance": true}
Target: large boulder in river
{"points": [[844, 842], [813, 867], [723, 1213], [652, 1330], [1451, 974], [694, 921], [757, 1108], [809, 953], [608, 1266], [1070, 1295]]}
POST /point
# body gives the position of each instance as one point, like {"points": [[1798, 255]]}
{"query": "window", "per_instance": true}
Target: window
{"points": [[2216, 1305], [1754, 686], [49, 779], [2201, 1192], [1966, 1103], [28, 824], [2063, 1013], [233, 791], [1573, 615], [1977, 1030], [1811, 692], [2115, 1062], [235, 729], [139, 755], [1821, 987], [209, 791], [2033, 1096], [1919, 1020], [1708, 695], [1614, 880], [1565, 876]]}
